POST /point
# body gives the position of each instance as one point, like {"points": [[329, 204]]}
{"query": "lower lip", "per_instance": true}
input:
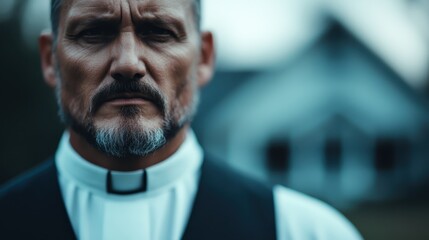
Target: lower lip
{"points": [[127, 101]]}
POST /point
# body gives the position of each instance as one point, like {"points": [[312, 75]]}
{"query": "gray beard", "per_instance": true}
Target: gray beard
{"points": [[122, 141], [125, 141], [129, 143]]}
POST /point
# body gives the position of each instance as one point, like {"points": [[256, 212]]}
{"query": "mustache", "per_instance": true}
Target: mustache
{"points": [[121, 89]]}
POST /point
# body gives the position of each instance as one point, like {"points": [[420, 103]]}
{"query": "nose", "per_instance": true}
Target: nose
{"points": [[127, 64]]}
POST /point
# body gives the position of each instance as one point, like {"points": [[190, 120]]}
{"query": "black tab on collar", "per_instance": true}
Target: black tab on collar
{"points": [[110, 189]]}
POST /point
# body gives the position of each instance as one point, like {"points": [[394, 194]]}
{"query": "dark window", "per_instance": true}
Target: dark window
{"points": [[385, 156], [278, 155], [333, 154]]}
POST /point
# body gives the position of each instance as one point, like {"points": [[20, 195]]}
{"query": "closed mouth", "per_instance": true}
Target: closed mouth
{"points": [[128, 96]]}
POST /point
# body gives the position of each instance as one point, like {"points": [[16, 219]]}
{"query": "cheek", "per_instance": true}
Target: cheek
{"points": [[175, 73], [81, 72], [186, 82]]}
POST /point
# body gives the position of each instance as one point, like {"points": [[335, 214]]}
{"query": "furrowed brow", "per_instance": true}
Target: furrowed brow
{"points": [[91, 20], [162, 20]]}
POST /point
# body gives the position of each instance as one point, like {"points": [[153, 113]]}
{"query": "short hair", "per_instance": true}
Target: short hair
{"points": [[56, 12]]}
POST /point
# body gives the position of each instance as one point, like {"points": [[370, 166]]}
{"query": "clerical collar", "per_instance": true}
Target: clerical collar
{"points": [[188, 158]]}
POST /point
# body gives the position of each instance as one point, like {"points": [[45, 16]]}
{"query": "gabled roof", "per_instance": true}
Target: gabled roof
{"points": [[388, 29], [374, 96], [281, 29]]}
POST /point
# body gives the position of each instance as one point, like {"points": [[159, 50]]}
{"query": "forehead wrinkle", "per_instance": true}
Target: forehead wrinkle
{"points": [[91, 17], [147, 9], [82, 7], [155, 12], [79, 12]]}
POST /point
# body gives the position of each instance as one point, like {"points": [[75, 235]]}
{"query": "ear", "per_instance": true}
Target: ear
{"points": [[47, 60], [207, 59]]}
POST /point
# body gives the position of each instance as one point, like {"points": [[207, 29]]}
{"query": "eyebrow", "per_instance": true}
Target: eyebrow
{"points": [[161, 20], [105, 19], [91, 20]]}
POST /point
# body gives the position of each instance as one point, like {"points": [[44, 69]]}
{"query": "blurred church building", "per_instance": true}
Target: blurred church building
{"points": [[340, 120]]}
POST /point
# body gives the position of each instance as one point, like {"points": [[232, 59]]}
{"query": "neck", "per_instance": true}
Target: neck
{"points": [[93, 155]]}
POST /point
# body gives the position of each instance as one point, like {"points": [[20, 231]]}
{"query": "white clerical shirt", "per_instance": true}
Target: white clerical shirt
{"points": [[162, 211]]}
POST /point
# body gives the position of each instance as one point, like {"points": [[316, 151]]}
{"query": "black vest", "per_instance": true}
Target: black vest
{"points": [[227, 206]]}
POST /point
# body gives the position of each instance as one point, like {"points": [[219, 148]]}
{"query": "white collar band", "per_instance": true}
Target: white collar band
{"points": [[160, 175]]}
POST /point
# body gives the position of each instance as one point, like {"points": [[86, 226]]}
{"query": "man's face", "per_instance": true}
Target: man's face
{"points": [[127, 72]]}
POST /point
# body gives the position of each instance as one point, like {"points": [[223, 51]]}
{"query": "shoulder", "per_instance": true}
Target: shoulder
{"points": [[17, 195], [302, 217], [33, 201], [221, 174], [26, 182], [221, 181], [230, 205]]}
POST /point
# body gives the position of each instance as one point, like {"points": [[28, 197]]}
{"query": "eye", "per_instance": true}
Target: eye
{"points": [[97, 35], [157, 34]]}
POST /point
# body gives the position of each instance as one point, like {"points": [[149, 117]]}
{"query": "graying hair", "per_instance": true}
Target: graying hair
{"points": [[56, 11]]}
